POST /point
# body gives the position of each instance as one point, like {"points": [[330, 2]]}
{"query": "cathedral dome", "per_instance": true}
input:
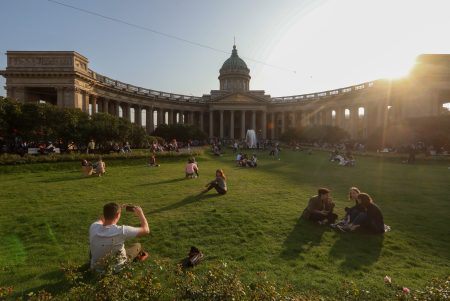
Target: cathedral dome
{"points": [[234, 74], [234, 62]]}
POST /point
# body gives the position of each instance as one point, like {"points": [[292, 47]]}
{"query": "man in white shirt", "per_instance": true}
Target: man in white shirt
{"points": [[107, 239]]}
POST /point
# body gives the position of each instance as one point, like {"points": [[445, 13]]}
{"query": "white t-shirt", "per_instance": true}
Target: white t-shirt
{"points": [[109, 240]]}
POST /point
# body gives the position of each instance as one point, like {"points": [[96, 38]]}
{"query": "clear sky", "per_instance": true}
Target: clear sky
{"points": [[328, 43]]}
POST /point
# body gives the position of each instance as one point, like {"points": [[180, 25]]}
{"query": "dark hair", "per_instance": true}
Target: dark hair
{"points": [[322, 191], [365, 199], [110, 210]]}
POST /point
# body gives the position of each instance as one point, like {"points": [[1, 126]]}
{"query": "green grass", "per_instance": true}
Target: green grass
{"points": [[46, 210]]}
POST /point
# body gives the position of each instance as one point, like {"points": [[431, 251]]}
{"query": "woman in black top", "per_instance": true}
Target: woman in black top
{"points": [[371, 218]]}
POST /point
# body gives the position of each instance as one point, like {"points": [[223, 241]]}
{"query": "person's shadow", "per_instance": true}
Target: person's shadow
{"points": [[186, 201], [357, 250], [304, 236]]}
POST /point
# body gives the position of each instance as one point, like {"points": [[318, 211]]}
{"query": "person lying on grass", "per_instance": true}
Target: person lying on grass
{"points": [[107, 239], [370, 218], [220, 183], [320, 208]]}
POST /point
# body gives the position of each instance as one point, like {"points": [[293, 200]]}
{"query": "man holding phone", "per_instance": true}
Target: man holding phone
{"points": [[107, 239]]}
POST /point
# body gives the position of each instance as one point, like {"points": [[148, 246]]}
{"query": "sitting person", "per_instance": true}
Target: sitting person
{"points": [[100, 167], [352, 212], [191, 169], [220, 183], [243, 162], [238, 159], [253, 161], [320, 208], [152, 162], [370, 218], [86, 168], [107, 239]]}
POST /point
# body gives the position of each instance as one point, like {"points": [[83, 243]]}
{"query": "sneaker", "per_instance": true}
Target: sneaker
{"points": [[142, 256]]}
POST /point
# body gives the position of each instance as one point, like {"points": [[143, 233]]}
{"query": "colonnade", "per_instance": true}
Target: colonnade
{"points": [[234, 123]]}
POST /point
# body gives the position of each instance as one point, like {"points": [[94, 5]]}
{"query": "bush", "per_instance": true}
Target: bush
{"points": [[12, 159]]}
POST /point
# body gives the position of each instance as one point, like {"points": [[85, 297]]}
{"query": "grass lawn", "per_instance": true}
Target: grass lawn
{"points": [[46, 210]]}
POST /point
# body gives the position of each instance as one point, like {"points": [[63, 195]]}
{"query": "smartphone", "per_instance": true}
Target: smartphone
{"points": [[130, 208]]}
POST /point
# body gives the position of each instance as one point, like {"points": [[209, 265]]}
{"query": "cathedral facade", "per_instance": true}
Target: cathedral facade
{"points": [[63, 78]]}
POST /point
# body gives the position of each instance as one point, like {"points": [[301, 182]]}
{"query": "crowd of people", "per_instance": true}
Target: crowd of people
{"points": [[243, 160], [107, 237]]}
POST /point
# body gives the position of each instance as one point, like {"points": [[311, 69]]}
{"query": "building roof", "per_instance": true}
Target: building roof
{"points": [[234, 62]]}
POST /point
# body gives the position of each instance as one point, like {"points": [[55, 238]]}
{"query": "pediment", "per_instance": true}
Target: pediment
{"points": [[239, 98]]}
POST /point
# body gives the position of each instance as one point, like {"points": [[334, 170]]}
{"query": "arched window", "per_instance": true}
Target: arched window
{"points": [[333, 114], [155, 119], [361, 112], [445, 109], [144, 117], [347, 114]]}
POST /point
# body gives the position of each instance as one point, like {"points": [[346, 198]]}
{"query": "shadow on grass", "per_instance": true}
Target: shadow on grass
{"points": [[186, 201], [68, 178], [357, 250], [304, 236], [54, 288], [164, 182]]}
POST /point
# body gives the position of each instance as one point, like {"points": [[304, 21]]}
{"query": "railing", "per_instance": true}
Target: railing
{"points": [[303, 97], [142, 91], [195, 99]]}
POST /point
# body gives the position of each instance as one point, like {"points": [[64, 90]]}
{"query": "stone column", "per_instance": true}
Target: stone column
{"points": [[94, 104], [254, 120], [294, 119], [86, 102], [232, 124], [243, 125], [59, 97], [138, 115], [160, 117], [211, 130], [128, 110], [274, 123], [283, 122], [221, 125], [354, 122], [170, 117], [201, 122], [105, 105], [191, 117], [264, 124], [149, 120]]}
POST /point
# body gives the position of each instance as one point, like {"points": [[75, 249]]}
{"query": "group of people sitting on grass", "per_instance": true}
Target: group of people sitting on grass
{"points": [[346, 159], [243, 160], [89, 169], [364, 214]]}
